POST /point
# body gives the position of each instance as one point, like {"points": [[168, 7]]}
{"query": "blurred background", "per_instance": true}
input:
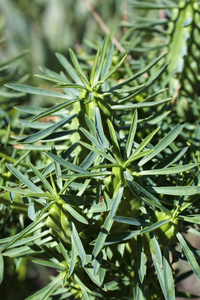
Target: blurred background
{"points": [[49, 26]]}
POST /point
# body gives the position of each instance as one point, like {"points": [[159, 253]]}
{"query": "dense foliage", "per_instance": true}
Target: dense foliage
{"points": [[100, 184]]}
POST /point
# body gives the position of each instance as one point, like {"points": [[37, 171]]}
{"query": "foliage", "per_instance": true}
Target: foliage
{"points": [[105, 182]]}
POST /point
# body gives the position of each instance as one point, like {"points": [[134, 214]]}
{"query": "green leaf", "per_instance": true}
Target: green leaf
{"points": [[42, 178], [25, 231], [90, 125], [94, 66], [102, 235], [50, 264], [113, 70], [101, 207], [148, 84], [70, 70], [108, 61], [168, 276], [171, 159], [99, 128], [81, 284], [26, 240], [130, 90], [131, 221], [46, 292], [35, 91], [92, 139], [167, 171], [30, 110], [102, 274], [144, 143], [71, 86], [58, 171], [138, 288], [1, 268], [137, 156], [120, 237], [101, 60], [139, 105], [76, 200], [60, 81], [154, 204], [17, 252], [194, 219], [116, 202], [97, 262], [10, 95], [74, 254], [40, 195], [64, 251], [95, 278], [131, 135], [87, 175], [140, 191], [156, 247], [141, 72], [160, 274], [103, 154], [66, 164], [54, 109], [16, 190], [176, 190], [190, 256], [24, 179], [116, 148], [155, 226], [36, 125], [106, 166], [141, 259], [78, 244], [21, 242], [75, 214], [168, 139], [79, 69]]}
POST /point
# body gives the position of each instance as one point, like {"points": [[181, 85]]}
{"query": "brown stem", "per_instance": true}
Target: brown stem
{"points": [[103, 25]]}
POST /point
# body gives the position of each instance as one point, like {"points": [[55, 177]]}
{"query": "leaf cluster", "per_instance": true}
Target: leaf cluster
{"points": [[107, 179]]}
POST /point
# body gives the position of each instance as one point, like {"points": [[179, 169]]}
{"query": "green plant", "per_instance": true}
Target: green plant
{"points": [[110, 190], [177, 32]]}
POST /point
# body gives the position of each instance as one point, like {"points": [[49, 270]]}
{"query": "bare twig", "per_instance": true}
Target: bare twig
{"points": [[103, 25], [176, 93], [125, 15]]}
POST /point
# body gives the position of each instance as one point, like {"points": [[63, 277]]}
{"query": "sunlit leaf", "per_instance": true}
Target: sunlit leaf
{"points": [[36, 91], [131, 134], [190, 256], [75, 214], [102, 235], [176, 190], [168, 276], [78, 244], [24, 179], [1, 268], [169, 138], [64, 62], [50, 264], [167, 171]]}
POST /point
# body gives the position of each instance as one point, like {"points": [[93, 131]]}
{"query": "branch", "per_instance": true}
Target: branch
{"points": [[103, 25]]}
